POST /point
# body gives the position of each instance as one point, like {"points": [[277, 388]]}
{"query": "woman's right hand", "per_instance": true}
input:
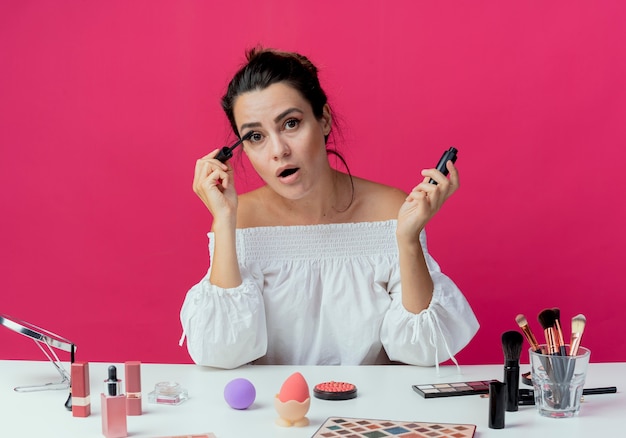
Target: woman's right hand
{"points": [[213, 183]]}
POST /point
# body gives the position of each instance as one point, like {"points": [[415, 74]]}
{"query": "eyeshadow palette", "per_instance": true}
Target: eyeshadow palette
{"points": [[335, 427], [434, 390]]}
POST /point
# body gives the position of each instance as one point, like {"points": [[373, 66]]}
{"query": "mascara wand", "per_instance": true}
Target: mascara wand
{"points": [[226, 152]]}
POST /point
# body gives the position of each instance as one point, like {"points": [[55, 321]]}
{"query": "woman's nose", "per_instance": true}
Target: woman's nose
{"points": [[280, 148]]}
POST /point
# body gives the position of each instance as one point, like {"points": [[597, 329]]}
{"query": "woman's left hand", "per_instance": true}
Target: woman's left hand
{"points": [[424, 201]]}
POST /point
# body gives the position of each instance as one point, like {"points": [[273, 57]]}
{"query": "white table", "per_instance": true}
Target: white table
{"points": [[384, 392]]}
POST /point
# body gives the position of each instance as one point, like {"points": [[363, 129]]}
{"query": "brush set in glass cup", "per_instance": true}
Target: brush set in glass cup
{"points": [[558, 369]]}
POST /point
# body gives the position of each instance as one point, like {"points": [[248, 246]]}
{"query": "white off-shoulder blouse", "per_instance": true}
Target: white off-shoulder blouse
{"points": [[322, 295]]}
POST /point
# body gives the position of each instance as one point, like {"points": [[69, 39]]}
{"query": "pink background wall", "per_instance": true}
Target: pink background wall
{"points": [[105, 106]]}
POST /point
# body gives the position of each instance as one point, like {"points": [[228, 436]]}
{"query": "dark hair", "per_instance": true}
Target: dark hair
{"points": [[266, 67]]}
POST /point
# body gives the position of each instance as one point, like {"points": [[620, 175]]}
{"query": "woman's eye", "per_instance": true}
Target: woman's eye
{"points": [[292, 123], [256, 137]]}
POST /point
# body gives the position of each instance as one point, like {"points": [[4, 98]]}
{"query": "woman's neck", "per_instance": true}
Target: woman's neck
{"points": [[330, 202]]}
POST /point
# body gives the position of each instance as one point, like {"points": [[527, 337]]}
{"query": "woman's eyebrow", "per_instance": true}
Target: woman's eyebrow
{"points": [[249, 125], [277, 119]]}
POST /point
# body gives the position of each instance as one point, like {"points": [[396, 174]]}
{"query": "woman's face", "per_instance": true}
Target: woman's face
{"points": [[287, 147]]}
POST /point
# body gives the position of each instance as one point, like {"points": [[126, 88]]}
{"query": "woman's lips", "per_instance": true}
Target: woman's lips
{"points": [[289, 175]]}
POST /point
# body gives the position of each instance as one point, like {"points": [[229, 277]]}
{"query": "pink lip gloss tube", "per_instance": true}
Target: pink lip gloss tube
{"points": [[133, 387], [113, 406], [81, 403]]}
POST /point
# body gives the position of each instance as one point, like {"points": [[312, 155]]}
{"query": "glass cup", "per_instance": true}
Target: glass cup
{"points": [[558, 382]]}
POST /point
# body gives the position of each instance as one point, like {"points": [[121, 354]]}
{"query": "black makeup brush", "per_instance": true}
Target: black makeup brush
{"points": [[512, 347], [547, 319], [556, 367]]}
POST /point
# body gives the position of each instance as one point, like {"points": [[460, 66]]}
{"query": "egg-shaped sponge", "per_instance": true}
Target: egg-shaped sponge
{"points": [[294, 388]]}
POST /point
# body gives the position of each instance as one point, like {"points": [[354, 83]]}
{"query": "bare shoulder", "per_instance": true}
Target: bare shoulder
{"points": [[375, 201], [251, 210], [372, 202]]}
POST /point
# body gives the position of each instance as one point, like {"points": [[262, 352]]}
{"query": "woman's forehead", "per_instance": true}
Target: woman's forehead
{"points": [[266, 104]]}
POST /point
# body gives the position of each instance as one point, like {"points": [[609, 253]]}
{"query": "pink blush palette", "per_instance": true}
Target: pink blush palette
{"points": [[335, 427], [335, 391]]}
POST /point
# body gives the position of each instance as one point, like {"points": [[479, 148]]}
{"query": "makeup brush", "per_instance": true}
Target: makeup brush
{"points": [[512, 348], [578, 327], [523, 324], [555, 367], [559, 331], [547, 319]]}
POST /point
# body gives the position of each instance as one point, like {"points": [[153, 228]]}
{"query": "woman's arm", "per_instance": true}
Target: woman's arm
{"points": [[225, 271], [419, 207], [437, 332], [417, 283], [225, 327], [223, 316], [213, 183]]}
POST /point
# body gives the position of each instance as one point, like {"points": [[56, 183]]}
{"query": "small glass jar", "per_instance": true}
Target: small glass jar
{"points": [[168, 393]]}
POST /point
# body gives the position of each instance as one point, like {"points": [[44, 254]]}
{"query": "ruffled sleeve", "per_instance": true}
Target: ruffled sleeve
{"points": [[437, 333], [225, 328]]}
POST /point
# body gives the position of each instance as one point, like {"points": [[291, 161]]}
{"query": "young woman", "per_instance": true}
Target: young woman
{"points": [[316, 266]]}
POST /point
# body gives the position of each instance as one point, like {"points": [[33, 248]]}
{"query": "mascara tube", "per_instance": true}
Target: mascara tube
{"points": [[449, 155]]}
